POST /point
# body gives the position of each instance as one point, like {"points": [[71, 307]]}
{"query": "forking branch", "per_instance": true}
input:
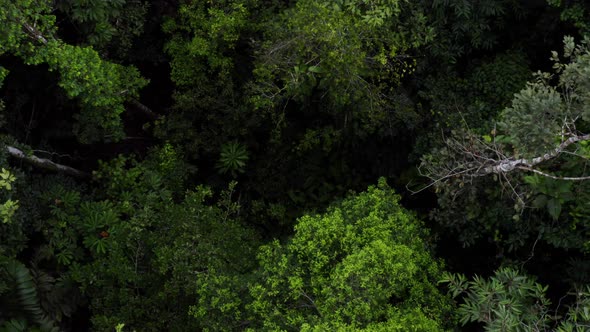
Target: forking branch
{"points": [[468, 156]]}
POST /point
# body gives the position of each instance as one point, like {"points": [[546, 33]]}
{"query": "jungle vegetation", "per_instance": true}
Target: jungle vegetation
{"points": [[294, 165]]}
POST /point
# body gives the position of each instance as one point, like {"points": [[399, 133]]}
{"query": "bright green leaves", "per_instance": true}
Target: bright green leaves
{"points": [[7, 210], [9, 207], [360, 266], [347, 266], [101, 86], [24, 24], [6, 179]]}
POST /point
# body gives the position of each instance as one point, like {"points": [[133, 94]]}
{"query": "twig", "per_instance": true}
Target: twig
{"points": [[567, 178]]}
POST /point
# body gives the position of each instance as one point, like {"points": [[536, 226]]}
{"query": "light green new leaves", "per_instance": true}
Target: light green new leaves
{"points": [[345, 268], [13, 14], [101, 86], [8, 208]]}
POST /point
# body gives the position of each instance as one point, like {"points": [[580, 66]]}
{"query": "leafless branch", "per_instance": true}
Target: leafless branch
{"points": [[45, 163], [468, 157], [34, 33], [567, 178]]}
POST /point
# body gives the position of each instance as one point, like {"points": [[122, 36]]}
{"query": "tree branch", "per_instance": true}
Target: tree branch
{"points": [[46, 163], [34, 33], [144, 109], [472, 158], [508, 165], [568, 178]]}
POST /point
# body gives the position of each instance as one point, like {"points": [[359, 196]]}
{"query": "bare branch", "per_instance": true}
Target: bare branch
{"points": [[34, 33], [567, 178], [469, 157], [508, 165], [46, 163]]}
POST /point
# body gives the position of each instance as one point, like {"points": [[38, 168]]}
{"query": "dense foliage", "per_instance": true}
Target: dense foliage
{"points": [[187, 165]]}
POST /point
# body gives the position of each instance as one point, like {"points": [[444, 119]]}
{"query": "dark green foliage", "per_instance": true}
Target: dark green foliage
{"points": [[204, 38], [104, 23], [477, 98], [338, 58], [22, 291], [576, 12], [302, 101], [147, 238], [232, 158], [512, 301], [540, 116], [463, 27]]}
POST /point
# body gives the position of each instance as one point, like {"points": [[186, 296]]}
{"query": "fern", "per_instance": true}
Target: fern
{"points": [[25, 293]]}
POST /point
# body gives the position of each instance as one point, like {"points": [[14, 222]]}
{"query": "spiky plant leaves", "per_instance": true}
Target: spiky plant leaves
{"points": [[232, 159]]}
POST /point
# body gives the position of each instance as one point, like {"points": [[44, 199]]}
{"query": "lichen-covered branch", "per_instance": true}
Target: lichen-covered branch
{"points": [[45, 163], [468, 157], [509, 164]]}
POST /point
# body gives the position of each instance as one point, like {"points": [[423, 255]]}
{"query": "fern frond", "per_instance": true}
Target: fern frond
{"points": [[26, 293]]}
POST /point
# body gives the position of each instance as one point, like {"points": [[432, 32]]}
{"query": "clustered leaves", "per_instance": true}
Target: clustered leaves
{"points": [[363, 261], [512, 301]]}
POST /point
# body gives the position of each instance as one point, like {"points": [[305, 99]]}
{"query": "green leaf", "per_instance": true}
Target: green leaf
{"points": [[554, 208], [316, 69], [532, 180]]}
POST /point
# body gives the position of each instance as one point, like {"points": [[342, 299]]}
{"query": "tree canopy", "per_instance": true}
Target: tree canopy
{"points": [[294, 165]]}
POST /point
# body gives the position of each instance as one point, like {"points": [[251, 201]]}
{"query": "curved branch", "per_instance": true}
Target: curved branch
{"points": [[46, 163], [508, 165]]}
